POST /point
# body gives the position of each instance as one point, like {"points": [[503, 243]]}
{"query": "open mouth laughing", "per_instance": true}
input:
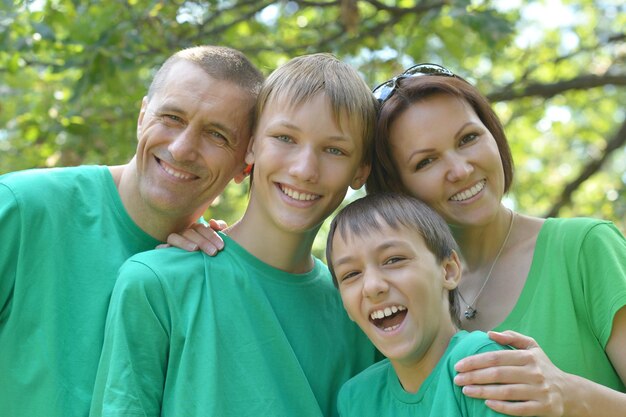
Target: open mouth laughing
{"points": [[389, 318]]}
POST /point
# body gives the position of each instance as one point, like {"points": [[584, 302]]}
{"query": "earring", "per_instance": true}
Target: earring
{"points": [[248, 169]]}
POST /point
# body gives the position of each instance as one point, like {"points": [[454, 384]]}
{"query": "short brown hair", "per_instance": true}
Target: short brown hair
{"points": [[219, 62], [384, 175]]}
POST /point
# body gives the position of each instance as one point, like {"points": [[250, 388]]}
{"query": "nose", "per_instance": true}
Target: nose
{"points": [[184, 146], [305, 165], [459, 168], [374, 285]]}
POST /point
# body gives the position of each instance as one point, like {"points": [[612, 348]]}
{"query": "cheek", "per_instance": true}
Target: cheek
{"points": [[422, 186], [350, 303]]}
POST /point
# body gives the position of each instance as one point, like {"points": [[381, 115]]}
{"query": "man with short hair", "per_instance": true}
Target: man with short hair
{"points": [[66, 231]]}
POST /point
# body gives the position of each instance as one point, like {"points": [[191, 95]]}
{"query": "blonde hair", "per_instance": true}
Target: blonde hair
{"points": [[303, 77]]}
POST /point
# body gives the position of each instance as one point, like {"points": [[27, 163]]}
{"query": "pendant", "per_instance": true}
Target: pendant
{"points": [[470, 312]]}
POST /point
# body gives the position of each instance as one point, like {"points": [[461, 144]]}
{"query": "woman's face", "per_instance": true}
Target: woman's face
{"points": [[445, 156]]}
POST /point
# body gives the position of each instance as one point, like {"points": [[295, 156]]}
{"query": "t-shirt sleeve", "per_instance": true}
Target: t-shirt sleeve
{"points": [[132, 369], [602, 264], [343, 402], [476, 407], [10, 232]]}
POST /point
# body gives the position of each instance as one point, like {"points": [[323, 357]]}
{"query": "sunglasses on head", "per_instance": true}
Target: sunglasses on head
{"points": [[385, 90]]}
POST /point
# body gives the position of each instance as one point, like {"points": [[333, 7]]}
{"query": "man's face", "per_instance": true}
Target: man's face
{"points": [[193, 134]]}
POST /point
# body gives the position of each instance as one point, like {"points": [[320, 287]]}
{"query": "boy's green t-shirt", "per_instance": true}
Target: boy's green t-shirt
{"points": [[189, 335], [576, 285], [377, 392], [64, 234]]}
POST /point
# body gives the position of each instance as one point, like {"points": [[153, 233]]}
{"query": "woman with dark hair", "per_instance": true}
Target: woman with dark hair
{"points": [[562, 282]]}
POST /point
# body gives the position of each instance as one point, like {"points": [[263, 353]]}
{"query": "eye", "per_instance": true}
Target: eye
{"points": [[423, 163], [468, 139], [173, 118], [335, 151], [348, 276], [218, 136], [284, 138], [393, 259]]}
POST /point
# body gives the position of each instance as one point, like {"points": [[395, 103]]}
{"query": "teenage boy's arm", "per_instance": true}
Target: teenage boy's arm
{"points": [[132, 369], [199, 237]]}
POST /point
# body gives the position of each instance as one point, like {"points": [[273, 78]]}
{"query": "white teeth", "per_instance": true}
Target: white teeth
{"points": [[388, 329], [464, 195], [298, 195], [386, 312], [176, 174]]}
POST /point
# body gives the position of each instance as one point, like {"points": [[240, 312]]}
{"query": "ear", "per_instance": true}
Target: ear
{"points": [[360, 176], [241, 174], [142, 113], [249, 159], [452, 271]]}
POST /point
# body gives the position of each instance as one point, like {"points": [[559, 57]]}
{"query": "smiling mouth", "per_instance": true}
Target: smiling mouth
{"points": [[298, 195], [388, 318], [467, 194], [181, 175]]}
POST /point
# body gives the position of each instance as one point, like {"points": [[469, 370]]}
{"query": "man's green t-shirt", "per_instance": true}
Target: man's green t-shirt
{"points": [[64, 234]]}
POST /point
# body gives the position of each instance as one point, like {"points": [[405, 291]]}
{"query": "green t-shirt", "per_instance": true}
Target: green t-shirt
{"points": [[190, 335], [576, 285], [64, 235], [377, 392]]}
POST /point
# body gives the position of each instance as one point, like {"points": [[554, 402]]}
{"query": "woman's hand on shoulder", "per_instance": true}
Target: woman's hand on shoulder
{"points": [[521, 382]]}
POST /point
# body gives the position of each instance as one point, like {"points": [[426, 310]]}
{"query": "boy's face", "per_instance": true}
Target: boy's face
{"points": [[303, 163], [394, 288]]}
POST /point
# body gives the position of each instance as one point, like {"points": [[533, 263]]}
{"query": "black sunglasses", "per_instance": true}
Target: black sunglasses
{"points": [[385, 90]]}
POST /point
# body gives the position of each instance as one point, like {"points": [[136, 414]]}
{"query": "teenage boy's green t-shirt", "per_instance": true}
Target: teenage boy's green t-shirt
{"points": [[64, 233], [377, 392], [576, 285], [189, 335]]}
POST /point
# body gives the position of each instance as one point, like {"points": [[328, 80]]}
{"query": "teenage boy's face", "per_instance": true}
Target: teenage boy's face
{"points": [[303, 163], [393, 287]]}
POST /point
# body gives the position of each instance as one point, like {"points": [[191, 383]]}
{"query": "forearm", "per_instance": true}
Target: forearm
{"points": [[585, 398]]}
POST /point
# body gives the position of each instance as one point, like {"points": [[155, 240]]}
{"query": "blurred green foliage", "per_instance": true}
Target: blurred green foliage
{"points": [[73, 72]]}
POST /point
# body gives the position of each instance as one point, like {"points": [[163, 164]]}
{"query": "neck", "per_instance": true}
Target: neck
{"points": [[157, 224], [491, 236], [412, 373], [284, 250]]}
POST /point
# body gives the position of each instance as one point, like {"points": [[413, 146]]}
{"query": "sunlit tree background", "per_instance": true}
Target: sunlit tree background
{"points": [[73, 72]]}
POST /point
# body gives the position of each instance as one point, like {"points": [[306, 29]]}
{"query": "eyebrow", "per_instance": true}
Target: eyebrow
{"points": [[428, 150], [289, 125], [385, 245]]}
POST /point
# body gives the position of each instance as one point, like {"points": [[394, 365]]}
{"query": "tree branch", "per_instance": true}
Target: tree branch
{"points": [[591, 168], [583, 82]]}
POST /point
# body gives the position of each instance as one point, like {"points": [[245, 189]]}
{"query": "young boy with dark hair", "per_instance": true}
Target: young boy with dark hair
{"points": [[396, 266]]}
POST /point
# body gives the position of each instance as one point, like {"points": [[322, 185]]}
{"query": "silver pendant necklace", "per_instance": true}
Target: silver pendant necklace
{"points": [[470, 310]]}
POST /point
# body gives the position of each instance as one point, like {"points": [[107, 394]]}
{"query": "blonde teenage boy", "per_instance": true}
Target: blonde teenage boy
{"points": [[394, 261], [259, 329]]}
